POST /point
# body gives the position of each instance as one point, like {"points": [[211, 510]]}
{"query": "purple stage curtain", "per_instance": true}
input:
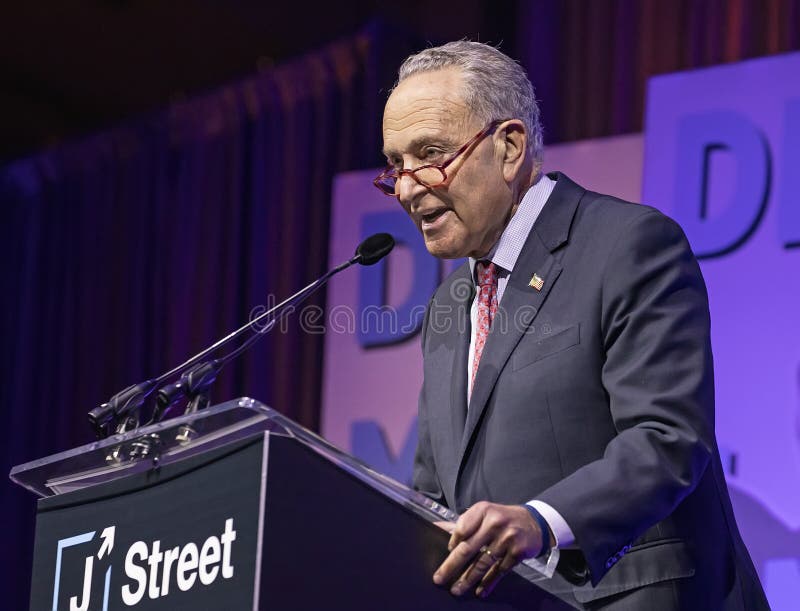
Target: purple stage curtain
{"points": [[590, 61], [126, 252]]}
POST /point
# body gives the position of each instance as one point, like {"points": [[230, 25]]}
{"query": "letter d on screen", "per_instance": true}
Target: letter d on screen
{"points": [[701, 138], [381, 323]]}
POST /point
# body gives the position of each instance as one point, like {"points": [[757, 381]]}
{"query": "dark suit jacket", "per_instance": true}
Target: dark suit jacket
{"points": [[595, 395]]}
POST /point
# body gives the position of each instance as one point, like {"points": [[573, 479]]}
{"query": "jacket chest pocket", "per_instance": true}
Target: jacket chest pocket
{"points": [[533, 351]]}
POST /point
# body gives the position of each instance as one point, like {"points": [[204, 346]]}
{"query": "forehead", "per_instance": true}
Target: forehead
{"points": [[425, 105]]}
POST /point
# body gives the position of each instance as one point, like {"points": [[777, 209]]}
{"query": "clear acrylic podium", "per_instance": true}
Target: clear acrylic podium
{"points": [[237, 506]]}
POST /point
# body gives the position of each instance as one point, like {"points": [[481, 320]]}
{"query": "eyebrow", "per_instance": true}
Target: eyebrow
{"points": [[418, 143]]}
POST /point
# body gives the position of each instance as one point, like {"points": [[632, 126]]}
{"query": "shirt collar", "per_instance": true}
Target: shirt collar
{"points": [[506, 250]]}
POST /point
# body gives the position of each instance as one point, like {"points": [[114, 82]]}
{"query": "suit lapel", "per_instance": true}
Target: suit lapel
{"points": [[458, 389], [516, 311], [521, 302]]}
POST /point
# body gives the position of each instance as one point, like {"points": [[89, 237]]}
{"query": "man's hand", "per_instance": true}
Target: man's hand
{"points": [[486, 543]]}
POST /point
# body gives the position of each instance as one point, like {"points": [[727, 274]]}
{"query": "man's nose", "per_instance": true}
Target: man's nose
{"points": [[408, 189]]}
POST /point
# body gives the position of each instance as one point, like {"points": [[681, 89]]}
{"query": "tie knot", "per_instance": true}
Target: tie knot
{"points": [[487, 273]]}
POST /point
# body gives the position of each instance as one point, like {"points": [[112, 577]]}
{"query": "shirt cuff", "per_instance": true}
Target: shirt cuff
{"points": [[558, 525]]}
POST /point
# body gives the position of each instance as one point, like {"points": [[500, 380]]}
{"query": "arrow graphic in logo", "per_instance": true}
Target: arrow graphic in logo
{"points": [[108, 541]]}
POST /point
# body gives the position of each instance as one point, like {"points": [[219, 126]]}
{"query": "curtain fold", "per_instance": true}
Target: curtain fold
{"points": [[590, 61]]}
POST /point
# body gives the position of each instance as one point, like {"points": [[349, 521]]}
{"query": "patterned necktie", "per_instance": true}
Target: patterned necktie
{"points": [[487, 307]]}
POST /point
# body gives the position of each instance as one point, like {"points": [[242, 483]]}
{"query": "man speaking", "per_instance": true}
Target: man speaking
{"points": [[567, 408]]}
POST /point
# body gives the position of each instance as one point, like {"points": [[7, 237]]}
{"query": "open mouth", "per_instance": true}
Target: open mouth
{"points": [[431, 217]]}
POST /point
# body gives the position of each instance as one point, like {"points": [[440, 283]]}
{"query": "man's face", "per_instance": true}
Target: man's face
{"points": [[426, 121]]}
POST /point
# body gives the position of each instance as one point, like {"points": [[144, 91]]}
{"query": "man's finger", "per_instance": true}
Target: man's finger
{"points": [[446, 526], [458, 558], [465, 550], [494, 575], [467, 524], [485, 561]]}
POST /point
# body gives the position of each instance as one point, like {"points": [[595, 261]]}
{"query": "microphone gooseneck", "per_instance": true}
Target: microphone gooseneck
{"points": [[196, 380]]}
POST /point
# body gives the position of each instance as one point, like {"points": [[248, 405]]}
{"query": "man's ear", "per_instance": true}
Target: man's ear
{"points": [[515, 144]]}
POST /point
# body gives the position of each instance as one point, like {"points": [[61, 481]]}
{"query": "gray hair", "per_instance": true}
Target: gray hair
{"points": [[495, 86]]}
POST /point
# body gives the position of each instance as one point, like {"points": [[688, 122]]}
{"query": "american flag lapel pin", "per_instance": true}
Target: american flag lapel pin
{"points": [[536, 282]]}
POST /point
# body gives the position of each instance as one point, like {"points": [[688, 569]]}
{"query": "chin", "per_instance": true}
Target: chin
{"points": [[442, 251]]}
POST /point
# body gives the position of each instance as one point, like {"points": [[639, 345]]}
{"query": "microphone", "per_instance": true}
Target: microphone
{"points": [[196, 381], [120, 405], [374, 248]]}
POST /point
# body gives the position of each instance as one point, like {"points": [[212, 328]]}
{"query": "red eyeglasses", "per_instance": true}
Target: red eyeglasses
{"points": [[431, 175]]}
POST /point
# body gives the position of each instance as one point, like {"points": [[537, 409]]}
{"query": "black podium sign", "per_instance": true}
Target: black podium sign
{"points": [[182, 537]]}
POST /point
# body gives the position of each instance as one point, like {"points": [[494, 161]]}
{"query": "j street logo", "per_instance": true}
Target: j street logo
{"points": [[148, 570], [107, 539]]}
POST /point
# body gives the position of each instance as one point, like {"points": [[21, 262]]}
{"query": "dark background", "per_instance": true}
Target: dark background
{"points": [[77, 67], [166, 166]]}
